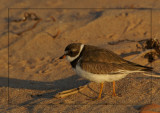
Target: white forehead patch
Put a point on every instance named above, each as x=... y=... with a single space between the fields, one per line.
x=70 y=59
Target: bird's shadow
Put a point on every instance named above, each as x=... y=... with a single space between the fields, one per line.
x=62 y=84
x=51 y=88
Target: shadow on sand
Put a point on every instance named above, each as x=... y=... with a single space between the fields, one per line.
x=57 y=85
x=52 y=87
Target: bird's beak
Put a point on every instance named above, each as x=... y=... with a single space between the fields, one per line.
x=62 y=57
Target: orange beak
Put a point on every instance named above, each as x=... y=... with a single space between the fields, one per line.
x=62 y=57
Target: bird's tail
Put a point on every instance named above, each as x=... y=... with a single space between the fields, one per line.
x=153 y=74
x=148 y=69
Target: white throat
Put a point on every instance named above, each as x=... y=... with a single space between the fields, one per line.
x=70 y=59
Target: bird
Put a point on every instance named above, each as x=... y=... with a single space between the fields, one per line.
x=99 y=65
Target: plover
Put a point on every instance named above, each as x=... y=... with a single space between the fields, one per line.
x=99 y=65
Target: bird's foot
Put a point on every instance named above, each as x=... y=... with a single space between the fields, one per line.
x=94 y=99
x=114 y=95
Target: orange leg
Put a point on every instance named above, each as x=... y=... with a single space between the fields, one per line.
x=100 y=92
x=114 y=91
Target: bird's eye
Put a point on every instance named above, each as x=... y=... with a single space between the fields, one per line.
x=71 y=52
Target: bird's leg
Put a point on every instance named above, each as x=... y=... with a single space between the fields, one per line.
x=114 y=91
x=100 y=92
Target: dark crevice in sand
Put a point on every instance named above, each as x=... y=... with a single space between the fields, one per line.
x=96 y=14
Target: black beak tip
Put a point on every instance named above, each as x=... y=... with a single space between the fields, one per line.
x=61 y=57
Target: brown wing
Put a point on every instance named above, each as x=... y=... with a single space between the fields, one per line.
x=102 y=61
x=110 y=68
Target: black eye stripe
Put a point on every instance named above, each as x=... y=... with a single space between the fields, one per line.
x=71 y=52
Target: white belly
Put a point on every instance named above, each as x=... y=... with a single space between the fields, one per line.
x=98 y=77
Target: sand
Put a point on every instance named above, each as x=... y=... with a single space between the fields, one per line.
x=36 y=74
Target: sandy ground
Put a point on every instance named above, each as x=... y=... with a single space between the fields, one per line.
x=36 y=74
